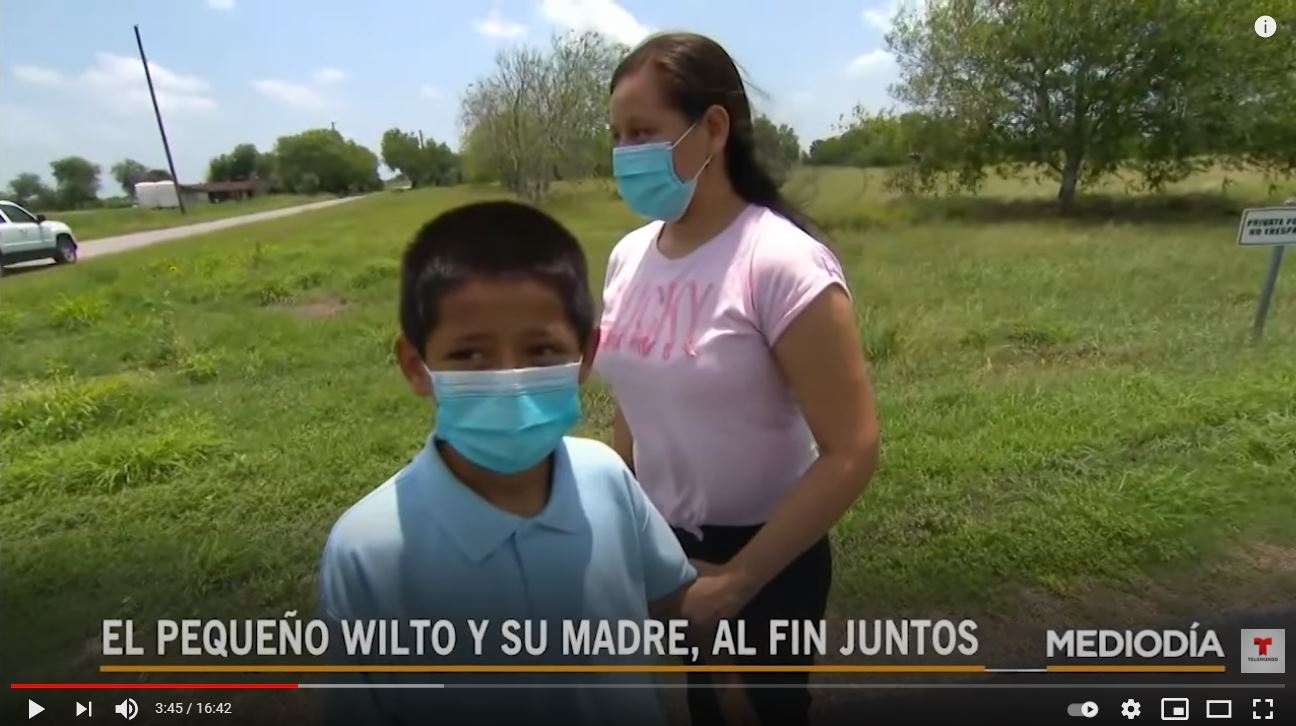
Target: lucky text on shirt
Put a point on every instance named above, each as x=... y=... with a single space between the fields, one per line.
x=514 y=637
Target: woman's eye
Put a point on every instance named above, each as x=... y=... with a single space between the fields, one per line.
x=468 y=355
x=545 y=350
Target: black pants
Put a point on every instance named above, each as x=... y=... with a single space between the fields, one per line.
x=798 y=592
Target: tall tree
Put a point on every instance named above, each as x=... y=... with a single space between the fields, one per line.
x=322 y=160
x=77 y=179
x=422 y=161
x=541 y=116
x=239 y=164
x=28 y=190
x=1077 y=88
x=777 y=146
x=128 y=173
x=402 y=151
x=157 y=175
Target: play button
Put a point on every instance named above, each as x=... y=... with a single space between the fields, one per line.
x=33 y=708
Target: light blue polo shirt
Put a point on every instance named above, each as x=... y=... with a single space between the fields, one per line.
x=424 y=545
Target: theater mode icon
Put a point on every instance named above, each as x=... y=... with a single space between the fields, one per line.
x=1264 y=651
x=1219 y=708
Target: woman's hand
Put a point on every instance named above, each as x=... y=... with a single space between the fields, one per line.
x=719 y=593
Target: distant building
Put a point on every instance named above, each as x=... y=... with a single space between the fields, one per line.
x=225 y=191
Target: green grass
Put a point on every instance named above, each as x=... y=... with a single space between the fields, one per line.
x=91 y=224
x=1064 y=402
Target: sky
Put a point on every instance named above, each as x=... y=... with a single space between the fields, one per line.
x=233 y=71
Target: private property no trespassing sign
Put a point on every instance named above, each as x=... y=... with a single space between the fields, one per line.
x=1268 y=226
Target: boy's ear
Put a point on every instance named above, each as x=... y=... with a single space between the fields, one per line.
x=411 y=365
x=591 y=350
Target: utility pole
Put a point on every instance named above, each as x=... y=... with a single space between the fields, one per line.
x=161 y=128
x=420 y=138
x=333 y=125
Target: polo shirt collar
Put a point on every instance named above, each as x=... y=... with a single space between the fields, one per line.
x=478 y=527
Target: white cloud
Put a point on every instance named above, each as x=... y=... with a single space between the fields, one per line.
x=291 y=94
x=329 y=75
x=38 y=76
x=25 y=128
x=881 y=16
x=116 y=78
x=496 y=26
x=802 y=98
x=117 y=83
x=221 y=4
x=870 y=62
x=604 y=16
x=430 y=92
x=880 y=19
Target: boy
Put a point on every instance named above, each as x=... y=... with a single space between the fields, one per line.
x=500 y=516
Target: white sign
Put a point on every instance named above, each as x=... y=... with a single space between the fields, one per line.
x=1268 y=226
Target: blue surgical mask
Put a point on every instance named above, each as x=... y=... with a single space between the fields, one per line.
x=645 y=176
x=508 y=420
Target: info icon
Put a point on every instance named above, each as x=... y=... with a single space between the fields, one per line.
x=1263 y=651
x=1265 y=26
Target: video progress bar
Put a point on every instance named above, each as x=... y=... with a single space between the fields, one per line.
x=496 y=686
x=555 y=669
x=813 y=686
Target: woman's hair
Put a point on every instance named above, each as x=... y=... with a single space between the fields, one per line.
x=695 y=74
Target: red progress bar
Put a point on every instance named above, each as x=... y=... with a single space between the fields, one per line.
x=152 y=685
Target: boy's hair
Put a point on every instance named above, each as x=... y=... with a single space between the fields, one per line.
x=491 y=239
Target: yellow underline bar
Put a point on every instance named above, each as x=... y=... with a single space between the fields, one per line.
x=540 y=669
x=1135 y=668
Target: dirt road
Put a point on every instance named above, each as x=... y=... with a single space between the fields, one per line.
x=134 y=240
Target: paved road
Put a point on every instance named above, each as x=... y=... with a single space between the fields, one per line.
x=121 y=243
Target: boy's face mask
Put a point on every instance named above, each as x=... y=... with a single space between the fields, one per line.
x=508 y=420
x=646 y=180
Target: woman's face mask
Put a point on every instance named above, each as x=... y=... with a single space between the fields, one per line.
x=645 y=176
x=506 y=420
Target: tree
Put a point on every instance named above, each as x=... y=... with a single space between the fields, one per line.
x=128 y=173
x=157 y=175
x=422 y=162
x=238 y=165
x=267 y=169
x=1262 y=132
x=28 y=190
x=77 y=179
x=540 y=117
x=1077 y=88
x=777 y=147
x=477 y=160
x=321 y=160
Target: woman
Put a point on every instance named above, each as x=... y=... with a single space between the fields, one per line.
x=728 y=339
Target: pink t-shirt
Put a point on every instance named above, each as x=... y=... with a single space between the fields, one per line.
x=719 y=438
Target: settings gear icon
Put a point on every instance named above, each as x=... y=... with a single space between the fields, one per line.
x=1130 y=709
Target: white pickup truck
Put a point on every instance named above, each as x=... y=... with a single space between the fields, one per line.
x=25 y=236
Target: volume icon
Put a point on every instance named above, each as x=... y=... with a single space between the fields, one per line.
x=127 y=709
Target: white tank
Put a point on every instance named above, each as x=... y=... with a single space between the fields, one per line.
x=167 y=195
x=144 y=195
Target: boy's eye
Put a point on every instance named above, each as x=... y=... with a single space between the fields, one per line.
x=467 y=355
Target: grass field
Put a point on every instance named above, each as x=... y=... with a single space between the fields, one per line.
x=1068 y=405
x=91 y=224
